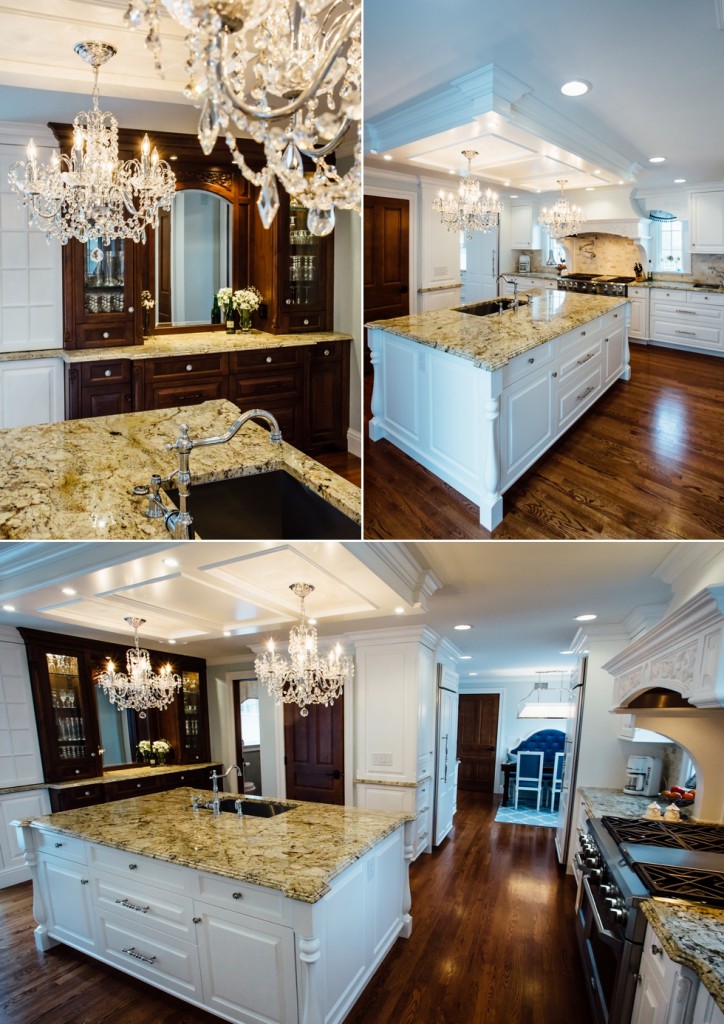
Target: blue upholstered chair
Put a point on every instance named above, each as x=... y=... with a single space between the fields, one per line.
x=557 y=782
x=529 y=775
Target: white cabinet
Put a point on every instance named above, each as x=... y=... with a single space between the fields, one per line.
x=688 y=319
x=639 y=304
x=67 y=896
x=707 y=222
x=706 y=1010
x=31 y=391
x=614 y=349
x=666 y=990
x=13 y=807
x=524 y=227
x=527 y=421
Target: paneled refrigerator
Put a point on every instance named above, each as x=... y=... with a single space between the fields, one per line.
x=570 y=763
x=446 y=757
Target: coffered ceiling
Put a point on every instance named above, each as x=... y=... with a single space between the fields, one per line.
x=519 y=599
x=655 y=67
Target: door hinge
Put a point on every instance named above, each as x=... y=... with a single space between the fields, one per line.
x=285 y=759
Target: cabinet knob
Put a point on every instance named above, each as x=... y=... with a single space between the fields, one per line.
x=268 y=359
x=554 y=374
x=131 y=309
x=189 y=366
x=583 y=334
x=326 y=351
x=106 y=334
x=306 y=322
x=93 y=753
x=106 y=373
x=237 y=895
x=77 y=771
x=133 y=867
x=197 y=920
x=532 y=359
x=58 y=846
x=84 y=881
x=656 y=950
x=88 y=792
x=606 y=341
x=289 y=302
x=138 y=785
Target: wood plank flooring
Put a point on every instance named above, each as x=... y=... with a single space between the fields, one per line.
x=647 y=461
x=492 y=941
x=344 y=464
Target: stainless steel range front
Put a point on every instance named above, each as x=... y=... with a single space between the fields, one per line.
x=624 y=861
x=595 y=284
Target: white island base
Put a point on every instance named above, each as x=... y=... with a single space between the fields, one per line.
x=245 y=953
x=479 y=429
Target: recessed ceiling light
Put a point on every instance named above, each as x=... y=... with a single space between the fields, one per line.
x=588 y=617
x=656 y=159
x=472 y=673
x=171 y=563
x=399 y=611
x=576 y=87
x=506 y=184
x=566 y=652
x=8 y=607
x=466 y=657
x=590 y=188
x=462 y=625
x=69 y=591
x=172 y=641
x=373 y=152
x=679 y=181
x=387 y=157
x=227 y=633
x=512 y=197
x=620 y=183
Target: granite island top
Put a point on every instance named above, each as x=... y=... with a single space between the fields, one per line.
x=490 y=342
x=298 y=852
x=74 y=479
x=691 y=934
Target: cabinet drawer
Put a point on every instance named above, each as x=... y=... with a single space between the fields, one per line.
x=263 y=357
x=573 y=361
x=689 y=313
x=305 y=321
x=578 y=340
x=423 y=825
x=422 y=803
x=527 y=362
x=140 y=869
x=128 y=899
x=61 y=845
x=169 y=963
x=77 y=796
x=184 y=366
x=252 y=900
x=711 y=298
x=100 y=337
x=117 y=371
x=132 y=787
x=580 y=393
x=684 y=332
x=279 y=383
x=195 y=778
x=191 y=393
x=637 y=293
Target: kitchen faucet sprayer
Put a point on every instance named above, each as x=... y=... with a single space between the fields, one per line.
x=179 y=522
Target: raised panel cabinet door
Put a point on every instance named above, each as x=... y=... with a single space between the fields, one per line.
x=707 y=222
x=109 y=401
x=650 y=1004
x=31 y=392
x=613 y=351
x=69 y=903
x=527 y=423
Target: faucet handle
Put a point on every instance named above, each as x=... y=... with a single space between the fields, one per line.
x=183 y=443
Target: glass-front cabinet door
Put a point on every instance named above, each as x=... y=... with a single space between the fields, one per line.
x=193 y=732
x=103 y=286
x=304 y=274
x=72 y=746
x=104 y=280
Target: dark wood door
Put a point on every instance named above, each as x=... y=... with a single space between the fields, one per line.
x=386 y=259
x=477 y=734
x=314 y=753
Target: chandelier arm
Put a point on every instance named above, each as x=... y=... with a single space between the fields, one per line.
x=318 y=154
x=333 y=44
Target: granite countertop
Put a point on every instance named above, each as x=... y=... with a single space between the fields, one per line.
x=691 y=934
x=186 y=344
x=678 y=286
x=298 y=852
x=142 y=771
x=490 y=342
x=73 y=480
x=5 y=790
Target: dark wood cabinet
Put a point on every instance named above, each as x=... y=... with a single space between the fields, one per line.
x=68 y=798
x=328 y=399
x=63 y=673
x=183 y=380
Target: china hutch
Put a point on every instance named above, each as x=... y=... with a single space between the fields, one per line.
x=83 y=736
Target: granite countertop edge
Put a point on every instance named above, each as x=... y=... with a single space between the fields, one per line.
x=676 y=925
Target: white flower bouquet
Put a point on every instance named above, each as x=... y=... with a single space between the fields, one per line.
x=161 y=750
x=246 y=300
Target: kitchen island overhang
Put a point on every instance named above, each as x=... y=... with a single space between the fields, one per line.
x=282 y=919
x=477 y=400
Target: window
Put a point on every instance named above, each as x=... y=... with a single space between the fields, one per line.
x=250 y=735
x=669 y=240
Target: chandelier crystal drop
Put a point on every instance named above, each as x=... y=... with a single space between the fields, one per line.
x=141 y=688
x=562 y=218
x=287 y=73
x=308 y=677
x=91 y=193
x=469 y=210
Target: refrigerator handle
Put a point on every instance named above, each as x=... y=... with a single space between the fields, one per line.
x=445 y=738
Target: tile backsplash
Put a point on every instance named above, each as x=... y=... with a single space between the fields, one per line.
x=707 y=268
x=610 y=255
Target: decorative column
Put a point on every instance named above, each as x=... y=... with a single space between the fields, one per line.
x=43 y=941
x=375 y=429
x=491 y=500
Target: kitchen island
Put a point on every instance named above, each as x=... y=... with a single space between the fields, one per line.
x=281 y=919
x=478 y=399
x=74 y=480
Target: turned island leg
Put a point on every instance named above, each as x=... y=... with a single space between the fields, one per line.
x=491 y=500
x=43 y=941
x=406 y=930
x=376 y=404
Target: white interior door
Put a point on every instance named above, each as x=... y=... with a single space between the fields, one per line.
x=481 y=266
x=447 y=739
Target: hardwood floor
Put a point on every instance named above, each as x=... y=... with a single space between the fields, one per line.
x=492 y=942
x=344 y=464
x=645 y=462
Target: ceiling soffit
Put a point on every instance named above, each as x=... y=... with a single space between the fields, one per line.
x=463 y=111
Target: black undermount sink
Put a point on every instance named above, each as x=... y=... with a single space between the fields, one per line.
x=488 y=306
x=266 y=506
x=255 y=808
x=703 y=284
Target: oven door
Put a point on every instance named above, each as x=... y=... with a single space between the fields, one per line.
x=610 y=962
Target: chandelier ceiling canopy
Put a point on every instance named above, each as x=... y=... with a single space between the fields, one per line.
x=546 y=701
x=91 y=193
x=140 y=688
x=469 y=210
x=562 y=218
x=287 y=73
x=307 y=677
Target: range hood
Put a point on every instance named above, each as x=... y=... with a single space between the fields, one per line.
x=638 y=229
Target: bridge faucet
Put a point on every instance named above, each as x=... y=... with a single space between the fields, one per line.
x=179 y=522
x=215 y=784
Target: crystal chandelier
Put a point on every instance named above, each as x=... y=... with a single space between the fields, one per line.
x=468 y=211
x=548 y=702
x=307 y=678
x=287 y=73
x=141 y=688
x=562 y=219
x=91 y=193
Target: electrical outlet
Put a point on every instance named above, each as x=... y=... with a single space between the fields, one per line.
x=382 y=759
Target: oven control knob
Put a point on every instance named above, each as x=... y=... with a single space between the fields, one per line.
x=592 y=861
x=596 y=874
x=606 y=889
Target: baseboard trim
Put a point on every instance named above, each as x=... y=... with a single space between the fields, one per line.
x=354 y=443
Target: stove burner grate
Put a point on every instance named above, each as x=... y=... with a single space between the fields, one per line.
x=704 y=838
x=682 y=883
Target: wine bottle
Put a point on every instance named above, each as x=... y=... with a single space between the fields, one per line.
x=215 y=311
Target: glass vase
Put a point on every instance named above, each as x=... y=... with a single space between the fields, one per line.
x=245 y=320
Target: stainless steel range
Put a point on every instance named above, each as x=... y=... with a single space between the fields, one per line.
x=595 y=284
x=624 y=861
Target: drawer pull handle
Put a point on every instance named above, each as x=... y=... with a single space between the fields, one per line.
x=532 y=359
x=691 y=312
x=583 y=334
x=58 y=846
x=424 y=836
x=237 y=895
x=689 y=334
x=656 y=950
x=423 y=809
x=133 y=867
x=197 y=920
x=106 y=334
x=586 y=358
x=586 y=393
x=132 y=906
x=107 y=373
x=268 y=359
x=84 y=881
x=131 y=951
x=615 y=316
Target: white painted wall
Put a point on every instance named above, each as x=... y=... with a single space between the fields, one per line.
x=348 y=310
x=602 y=756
